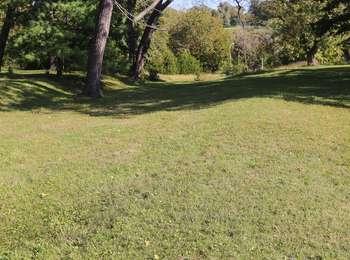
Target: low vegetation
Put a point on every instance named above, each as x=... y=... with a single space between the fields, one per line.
x=244 y=167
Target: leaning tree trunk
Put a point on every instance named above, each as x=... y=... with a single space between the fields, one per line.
x=142 y=50
x=97 y=49
x=145 y=41
x=5 y=31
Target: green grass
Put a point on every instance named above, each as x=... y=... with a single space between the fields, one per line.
x=248 y=167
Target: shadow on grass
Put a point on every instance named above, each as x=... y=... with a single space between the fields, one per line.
x=322 y=86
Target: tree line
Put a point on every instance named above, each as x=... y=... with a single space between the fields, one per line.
x=129 y=36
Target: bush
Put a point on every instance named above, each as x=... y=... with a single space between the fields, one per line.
x=153 y=75
x=162 y=61
x=203 y=35
x=235 y=69
x=169 y=63
x=331 y=51
x=187 y=64
x=250 y=46
x=116 y=61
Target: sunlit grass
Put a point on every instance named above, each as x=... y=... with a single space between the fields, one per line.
x=191 y=77
x=247 y=167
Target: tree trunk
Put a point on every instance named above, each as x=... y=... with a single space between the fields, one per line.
x=347 y=55
x=311 y=60
x=132 y=33
x=310 y=55
x=145 y=43
x=142 y=50
x=97 y=49
x=5 y=31
x=59 y=66
x=146 y=38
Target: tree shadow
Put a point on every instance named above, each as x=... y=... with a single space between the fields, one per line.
x=323 y=86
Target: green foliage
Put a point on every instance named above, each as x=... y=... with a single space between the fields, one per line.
x=203 y=35
x=293 y=24
x=260 y=11
x=187 y=64
x=164 y=62
x=277 y=32
x=235 y=68
x=196 y=41
x=331 y=51
x=63 y=29
x=160 y=57
x=116 y=60
x=153 y=75
x=336 y=18
x=53 y=33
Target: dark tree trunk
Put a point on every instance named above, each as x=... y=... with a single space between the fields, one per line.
x=5 y=31
x=59 y=66
x=132 y=33
x=310 y=55
x=97 y=49
x=146 y=38
x=347 y=55
x=142 y=50
x=311 y=60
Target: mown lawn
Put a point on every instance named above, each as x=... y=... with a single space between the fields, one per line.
x=248 y=167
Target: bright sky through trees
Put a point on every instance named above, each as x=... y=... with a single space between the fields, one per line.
x=182 y=4
x=185 y=4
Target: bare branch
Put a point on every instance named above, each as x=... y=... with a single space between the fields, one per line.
x=239 y=11
x=147 y=10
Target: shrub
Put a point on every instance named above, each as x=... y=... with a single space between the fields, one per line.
x=169 y=63
x=116 y=60
x=161 y=60
x=235 y=69
x=203 y=35
x=331 y=51
x=153 y=75
x=250 y=46
x=187 y=64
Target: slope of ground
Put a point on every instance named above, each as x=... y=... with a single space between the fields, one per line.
x=246 y=167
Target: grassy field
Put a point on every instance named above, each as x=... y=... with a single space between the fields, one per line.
x=248 y=167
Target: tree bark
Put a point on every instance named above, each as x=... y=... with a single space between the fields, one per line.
x=310 y=55
x=148 y=9
x=132 y=33
x=59 y=66
x=142 y=50
x=146 y=38
x=97 y=49
x=5 y=31
x=347 y=55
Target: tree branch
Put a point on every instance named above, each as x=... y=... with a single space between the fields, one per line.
x=146 y=11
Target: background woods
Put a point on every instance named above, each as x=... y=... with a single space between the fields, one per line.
x=121 y=37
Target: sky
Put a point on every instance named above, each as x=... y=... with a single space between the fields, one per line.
x=180 y=4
